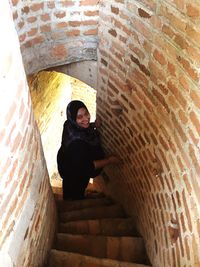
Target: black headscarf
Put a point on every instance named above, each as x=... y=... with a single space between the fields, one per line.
x=72 y=131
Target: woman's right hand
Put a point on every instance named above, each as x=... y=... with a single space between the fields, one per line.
x=114 y=160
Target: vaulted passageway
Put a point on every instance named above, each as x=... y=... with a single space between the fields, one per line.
x=147 y=97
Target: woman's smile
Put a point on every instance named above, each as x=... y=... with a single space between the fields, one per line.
x=83 y=118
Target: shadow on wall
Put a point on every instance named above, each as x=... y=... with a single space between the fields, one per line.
x=51 y=92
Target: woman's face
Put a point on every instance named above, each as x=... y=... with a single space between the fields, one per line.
x=83 y=118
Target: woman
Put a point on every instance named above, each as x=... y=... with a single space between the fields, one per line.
x=80 y=156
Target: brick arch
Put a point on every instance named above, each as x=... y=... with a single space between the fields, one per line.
x=56 y=32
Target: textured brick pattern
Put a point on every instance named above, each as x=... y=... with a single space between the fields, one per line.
x=149 y=102
x=66 y=29
x=26 y=200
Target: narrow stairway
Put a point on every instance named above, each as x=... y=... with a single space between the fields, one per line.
x=96 y=233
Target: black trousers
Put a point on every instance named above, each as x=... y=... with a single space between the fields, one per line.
x=74 y=187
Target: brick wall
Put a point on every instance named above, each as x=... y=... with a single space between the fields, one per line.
x=27 y=210
x=56 y=32
x=149 y=101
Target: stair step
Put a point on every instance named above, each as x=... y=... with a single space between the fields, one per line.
x=65 y=205
x=119 y=248
x=112 y=211
x=110 y=227
x=68 y=259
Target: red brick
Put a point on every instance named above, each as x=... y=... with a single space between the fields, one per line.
x=142 y=13
x=20 y=24
x=36 y=7
x=91 y=13
x=196 y=164
x=171 y=68
x=176 y=92
x=15 y=15
x=191 y=71
x=168 y=31
x=193 y=11
x=59 y=51
x=45 y=28
x=15 y=2
x=67 y=3
x=90 y=22
x=25 y=10
x=31 y=19
x=159 y=57
x=184 y=83
x=195 y=98
x=183 y=117
x=179 y=40
x=22 y=38
x=37 y=40
x=115 y=10
x=195 y=120
x=73 y=33
x=32 y=32
x=91 y=32
x=75 y=23
x=45 y=17
x=60 y=14
x=89 y=2
x=61 y=25
x=113 y=32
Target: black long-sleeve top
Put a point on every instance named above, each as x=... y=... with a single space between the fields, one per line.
x=76 y=160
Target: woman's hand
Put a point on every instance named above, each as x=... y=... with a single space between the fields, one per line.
x=106 y=161
x=114 y=160
x=98 y=123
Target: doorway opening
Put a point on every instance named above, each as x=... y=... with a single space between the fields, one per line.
x=51 y=92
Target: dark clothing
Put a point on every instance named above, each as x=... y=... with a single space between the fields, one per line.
x=76 y=167
x=79 y=148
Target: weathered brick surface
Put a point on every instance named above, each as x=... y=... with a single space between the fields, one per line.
x=69 y=26
x=27 y=208
x=148 y=99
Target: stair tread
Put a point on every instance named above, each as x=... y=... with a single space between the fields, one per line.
x=114 y=210
x=70 y=205
x=108 y=226
x=97 y=236
x=80 y=260
x=127 y=248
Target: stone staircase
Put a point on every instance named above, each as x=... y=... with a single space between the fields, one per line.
x=96 y=233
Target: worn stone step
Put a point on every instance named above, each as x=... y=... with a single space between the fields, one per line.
x=68 y=259
x=65 y=205
x=129 y=249
x=112 y=211
x=111 y=227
